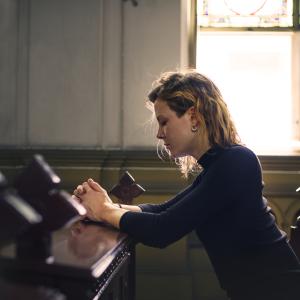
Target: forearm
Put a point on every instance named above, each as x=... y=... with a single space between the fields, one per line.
x=158 y=208
x=134 y=208
x=112 y=214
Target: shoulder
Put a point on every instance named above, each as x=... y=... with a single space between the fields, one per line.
x=240 y=156
x=235 y=168
x=239 y=152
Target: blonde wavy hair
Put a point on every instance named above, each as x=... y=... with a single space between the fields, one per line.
x=182 y=90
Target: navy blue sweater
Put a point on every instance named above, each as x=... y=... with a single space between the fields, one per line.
x=225 y=207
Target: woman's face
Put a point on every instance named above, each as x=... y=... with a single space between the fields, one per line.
x=176 y=131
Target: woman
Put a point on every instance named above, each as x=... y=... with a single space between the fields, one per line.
x=224 y=205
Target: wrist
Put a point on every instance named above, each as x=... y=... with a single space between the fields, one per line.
x=107 y=211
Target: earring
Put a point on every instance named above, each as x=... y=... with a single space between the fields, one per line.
x=194 y=128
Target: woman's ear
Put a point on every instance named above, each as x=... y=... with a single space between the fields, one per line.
x=192 y=113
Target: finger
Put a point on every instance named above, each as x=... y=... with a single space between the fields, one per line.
x=80 y=189
x=77 y=199
x=77 y=194
x=95 y=185
x=86 y=187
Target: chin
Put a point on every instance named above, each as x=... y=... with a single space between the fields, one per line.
x=177 y=155
x=172 y=155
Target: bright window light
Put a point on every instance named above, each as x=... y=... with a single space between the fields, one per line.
x=253 y=71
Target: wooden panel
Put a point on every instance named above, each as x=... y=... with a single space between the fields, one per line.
x=153 y=286
x=155 y=260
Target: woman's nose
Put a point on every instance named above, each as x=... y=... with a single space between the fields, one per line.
x=159 y=134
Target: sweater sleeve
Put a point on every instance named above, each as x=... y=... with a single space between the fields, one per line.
x=157 y=208
x=237 y=175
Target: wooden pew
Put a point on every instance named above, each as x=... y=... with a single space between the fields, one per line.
x=89 y=261
x=295 y=237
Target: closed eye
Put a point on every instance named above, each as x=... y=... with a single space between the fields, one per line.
x=162 y=123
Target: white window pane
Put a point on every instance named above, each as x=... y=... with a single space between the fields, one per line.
x=253 y=72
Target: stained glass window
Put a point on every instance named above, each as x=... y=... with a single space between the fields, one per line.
x=241 y=13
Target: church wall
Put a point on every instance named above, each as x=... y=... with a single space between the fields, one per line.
x=76 y=73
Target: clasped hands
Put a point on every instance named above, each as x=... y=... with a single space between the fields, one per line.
x=94 y=198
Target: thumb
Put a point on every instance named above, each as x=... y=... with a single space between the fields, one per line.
x=94 y=185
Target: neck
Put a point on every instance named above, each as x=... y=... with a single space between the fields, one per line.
x=202 y=146
x=201 y=151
